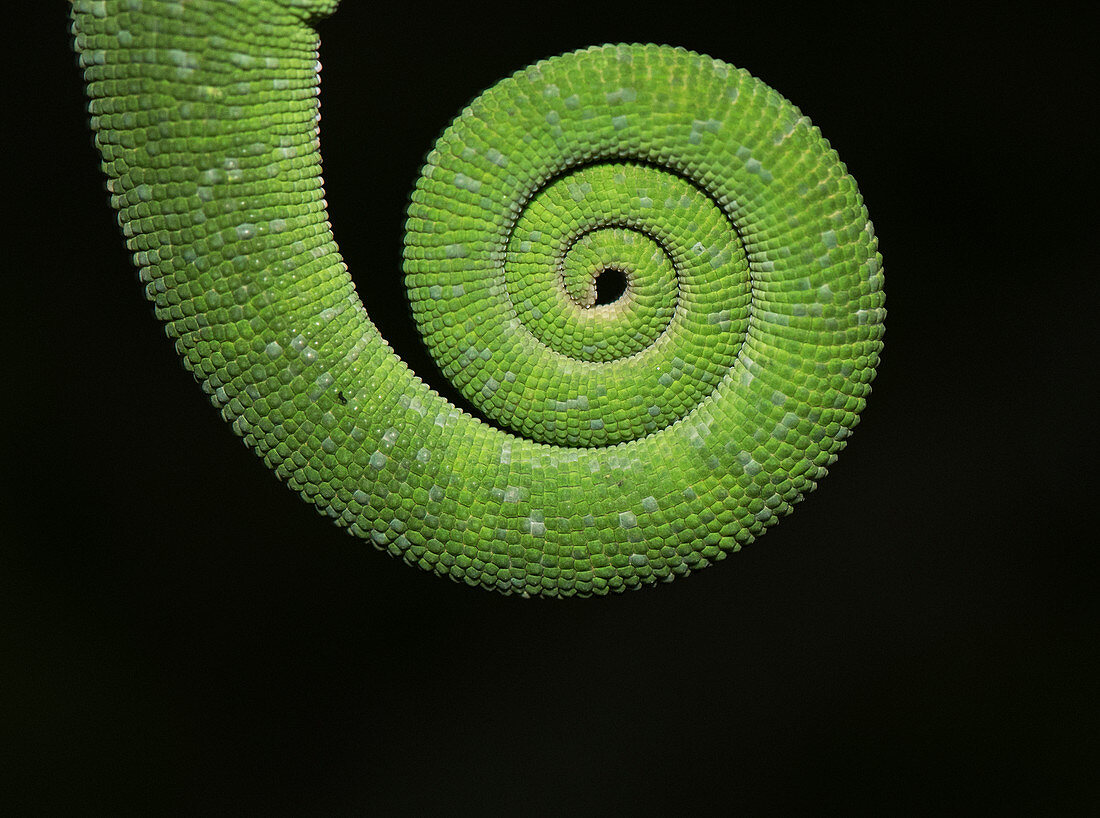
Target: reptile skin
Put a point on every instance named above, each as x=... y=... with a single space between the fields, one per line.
x=632 y=442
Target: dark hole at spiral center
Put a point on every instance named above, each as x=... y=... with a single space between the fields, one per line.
x=610 y=286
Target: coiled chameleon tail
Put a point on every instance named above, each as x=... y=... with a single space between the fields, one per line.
x=646 y=437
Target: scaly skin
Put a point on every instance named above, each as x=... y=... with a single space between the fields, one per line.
x=652 y=435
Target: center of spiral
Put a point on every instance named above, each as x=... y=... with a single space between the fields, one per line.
x=617 y=300
x=610 y=286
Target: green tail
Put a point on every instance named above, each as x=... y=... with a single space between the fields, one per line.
x=651 y=436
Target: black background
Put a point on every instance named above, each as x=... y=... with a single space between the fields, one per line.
x=186 y=636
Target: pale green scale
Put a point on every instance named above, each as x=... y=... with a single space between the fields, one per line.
x=684 y=419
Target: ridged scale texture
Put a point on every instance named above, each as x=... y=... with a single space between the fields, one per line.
x=679 y=422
